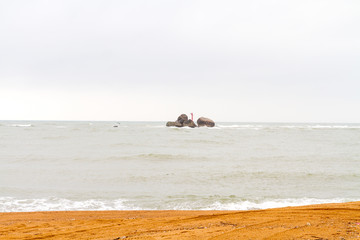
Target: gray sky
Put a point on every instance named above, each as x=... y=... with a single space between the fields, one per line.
x=283 y=61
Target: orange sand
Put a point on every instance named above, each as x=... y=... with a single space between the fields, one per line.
x=326 y=221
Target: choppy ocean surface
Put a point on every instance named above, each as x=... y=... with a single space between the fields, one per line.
x=145 y=165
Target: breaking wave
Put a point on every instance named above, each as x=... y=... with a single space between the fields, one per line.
x=21 y=125
x=10 y=204
x=287 y=126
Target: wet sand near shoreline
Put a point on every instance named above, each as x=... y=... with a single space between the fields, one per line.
x=324 y=221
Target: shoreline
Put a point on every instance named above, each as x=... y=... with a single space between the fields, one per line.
x=321 y=221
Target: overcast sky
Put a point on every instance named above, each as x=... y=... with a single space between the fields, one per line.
x=261 y=60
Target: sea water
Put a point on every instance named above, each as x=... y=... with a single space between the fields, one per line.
x=47 y=166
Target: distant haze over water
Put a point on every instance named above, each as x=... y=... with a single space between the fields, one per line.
x=58 y=165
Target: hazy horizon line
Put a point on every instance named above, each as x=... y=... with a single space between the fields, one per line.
x=86 y=120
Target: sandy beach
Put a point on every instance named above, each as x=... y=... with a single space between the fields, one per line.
x=324 y=221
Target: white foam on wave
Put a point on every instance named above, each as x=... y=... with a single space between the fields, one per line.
x=253 y=205
x=333 y=127
x=321 y=126
x=299 y=126
x=248 y=204
x=241 y=126
x=21 y=125
x=9 y=204
x=178 y=128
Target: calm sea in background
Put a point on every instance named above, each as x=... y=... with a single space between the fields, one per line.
x=145 y=165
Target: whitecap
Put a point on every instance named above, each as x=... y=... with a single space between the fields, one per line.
x=21 y=125
x=333 y=127
x=9 y=204
x=275 y=203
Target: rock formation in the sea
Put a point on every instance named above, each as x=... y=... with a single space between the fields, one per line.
x=182 y=118
x=179 y=122
x=170 y=124
x=205 y=122
x=184 y=121
x=189 y=123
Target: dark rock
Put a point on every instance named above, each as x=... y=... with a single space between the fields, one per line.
x=184 y=121
x=202 y=121
x=178 y=124
x=174 y=124
x=182 y=118
x=189 y=123
x=170 y=124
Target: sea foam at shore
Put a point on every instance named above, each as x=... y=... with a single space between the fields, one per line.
x=9 y=204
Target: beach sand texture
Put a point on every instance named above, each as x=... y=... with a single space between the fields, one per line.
x=324 y=221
